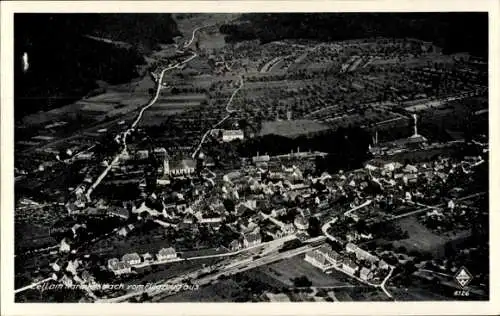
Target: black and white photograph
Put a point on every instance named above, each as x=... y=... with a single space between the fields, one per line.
x=251 y=157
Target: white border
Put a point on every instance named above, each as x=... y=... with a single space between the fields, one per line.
x=408 y=308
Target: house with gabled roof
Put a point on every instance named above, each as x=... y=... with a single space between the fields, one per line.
x=317 y=259
x=132 y=258
x=167 y=254
x=251 y=239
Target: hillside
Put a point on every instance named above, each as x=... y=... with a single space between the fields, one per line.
x=454 y=32
x=65 y=63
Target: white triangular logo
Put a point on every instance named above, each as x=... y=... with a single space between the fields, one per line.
x=463 y=277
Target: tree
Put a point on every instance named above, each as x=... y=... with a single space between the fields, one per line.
x=229 y=205
x=302 y=281
x=314 y=228
x=401 y=249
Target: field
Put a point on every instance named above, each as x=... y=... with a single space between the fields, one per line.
x=34 y=236
x=223 y=291
x=291 y=268
x=421 y=238
x=117 y=246
x=416 y=294
x=292 y=128
x=361 y=293
x=169 y=105
x=96 y=108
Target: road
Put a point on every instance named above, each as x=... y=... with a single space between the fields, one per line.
x=244 y=266
x=32 y=285
x=231 y=267
x=270 y=64
x=194 y=33
x=274 y=244
x=325 y=228
x=134 y=125
x=366 y=203
x=382 y=285
x=327 y=225
x=230 y=111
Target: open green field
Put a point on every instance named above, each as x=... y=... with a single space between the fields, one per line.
x=291 y=128
x=421 y=238
x=291 y=268
x=117 y=246
x=362 y=293
x=223 y=291
x=416 y=294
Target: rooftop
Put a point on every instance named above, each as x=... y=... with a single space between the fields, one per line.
x=182 y=164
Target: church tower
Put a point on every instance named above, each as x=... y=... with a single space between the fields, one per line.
x=166 y=166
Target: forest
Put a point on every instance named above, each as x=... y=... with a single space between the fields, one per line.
x=65 y=64
x=453 y=32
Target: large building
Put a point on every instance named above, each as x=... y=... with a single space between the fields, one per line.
x=365 y=274
x=230 y=135
x=167 y=254
x=349 y=266
x=317 y=259
x=301 y=222
x=257 y=160
x=179 y=167
x=323 y=257
x=330 y=254
x=118 y=267
x=251 y=239
x=131 y=258
x=360 y=253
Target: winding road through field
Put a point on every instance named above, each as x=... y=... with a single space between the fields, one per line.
x=230 y=111
x=134 y=125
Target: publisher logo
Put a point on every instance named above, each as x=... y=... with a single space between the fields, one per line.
x=463 y=277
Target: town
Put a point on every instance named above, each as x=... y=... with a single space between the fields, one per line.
x=294 y=170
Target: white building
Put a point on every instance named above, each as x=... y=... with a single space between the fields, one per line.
x=72 y=266
x=167 y=254
x=330 y=254
x=230 y=135
x=118 y=267
x=235 y=245
x=360 y=253
x=301 y=222
x=365 y=274
x=147 y=257
x=349 y=266
x=122 y=268
x=112 y=263
x=317 y=259
x=260 y=159
x=211 y=220
x=251 y=239
x=64 y=247
x=179 y=167
x=132 y=258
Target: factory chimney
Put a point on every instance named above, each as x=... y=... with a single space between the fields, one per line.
x=415 y=130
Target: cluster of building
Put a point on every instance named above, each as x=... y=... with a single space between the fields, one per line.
x=169 y=166
x=129 y=260
x=363 y=265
